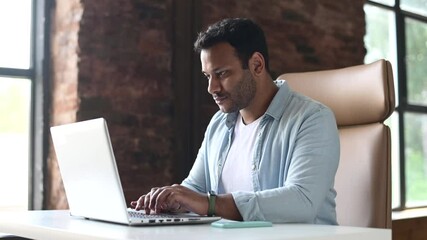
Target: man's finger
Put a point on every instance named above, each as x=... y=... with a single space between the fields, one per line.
x=146 y=202
x=139 y=203
x=161 y=200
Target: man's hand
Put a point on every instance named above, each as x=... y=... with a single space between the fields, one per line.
x=172 y=199
x=179 y=198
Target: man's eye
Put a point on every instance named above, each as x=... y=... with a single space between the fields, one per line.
x=222 y=74
x=207 y=77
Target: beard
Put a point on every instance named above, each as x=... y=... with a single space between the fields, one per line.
x=241 y=95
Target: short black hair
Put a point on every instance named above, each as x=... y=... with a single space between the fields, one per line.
x=243 y=34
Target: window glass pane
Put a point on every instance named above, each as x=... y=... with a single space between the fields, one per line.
x=15 y=96
x=415 y=6
x=385 y=2
x=15 y=29
x=416 y=60
x=393 y=123
x=416 y=159
x=380 y=38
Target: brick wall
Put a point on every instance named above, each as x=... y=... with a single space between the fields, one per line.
x=125 y=77
x=114 y=59
x=65 y=100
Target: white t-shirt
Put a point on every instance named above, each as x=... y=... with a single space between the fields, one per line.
x=237 y=172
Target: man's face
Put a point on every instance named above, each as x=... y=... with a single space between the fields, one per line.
x=231 y=86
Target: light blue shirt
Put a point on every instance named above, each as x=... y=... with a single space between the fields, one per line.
x=295 y=161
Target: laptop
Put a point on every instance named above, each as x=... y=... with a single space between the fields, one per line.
x=91 y=179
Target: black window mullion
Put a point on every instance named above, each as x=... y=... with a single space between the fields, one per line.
x=415 y=16
x=416 y=108
x=14 y=72
x=402 y=95
x=380 y=5
x=40 y=102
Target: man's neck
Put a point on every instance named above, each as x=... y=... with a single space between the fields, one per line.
x=259 y=104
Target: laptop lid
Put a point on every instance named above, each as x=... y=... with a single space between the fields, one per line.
x=89 y=172
x=91 y=178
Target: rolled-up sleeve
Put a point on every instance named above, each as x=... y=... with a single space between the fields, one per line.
x=197 y=179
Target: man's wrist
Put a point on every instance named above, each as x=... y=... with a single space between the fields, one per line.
x=211 y=203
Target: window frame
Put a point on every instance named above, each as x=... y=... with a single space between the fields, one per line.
x=40 y=121
x=403 y=106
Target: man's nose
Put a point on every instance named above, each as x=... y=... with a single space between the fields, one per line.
x=214 y=86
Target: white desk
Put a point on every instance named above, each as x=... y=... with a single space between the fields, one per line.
x=59 y=225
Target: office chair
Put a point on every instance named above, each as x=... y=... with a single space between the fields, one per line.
x=361 y=97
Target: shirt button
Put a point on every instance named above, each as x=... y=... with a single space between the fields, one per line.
x=253 y=166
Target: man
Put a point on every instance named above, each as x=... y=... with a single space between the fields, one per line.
x=268 y=154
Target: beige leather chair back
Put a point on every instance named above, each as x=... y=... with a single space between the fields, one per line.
x=361 y=97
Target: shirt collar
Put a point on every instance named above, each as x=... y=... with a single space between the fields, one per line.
x=278 y=104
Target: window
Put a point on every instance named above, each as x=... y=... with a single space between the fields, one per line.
x=397 y=30
x=23 y=115
x=15 y=99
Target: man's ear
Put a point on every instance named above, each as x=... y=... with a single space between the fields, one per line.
x=256 y=63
